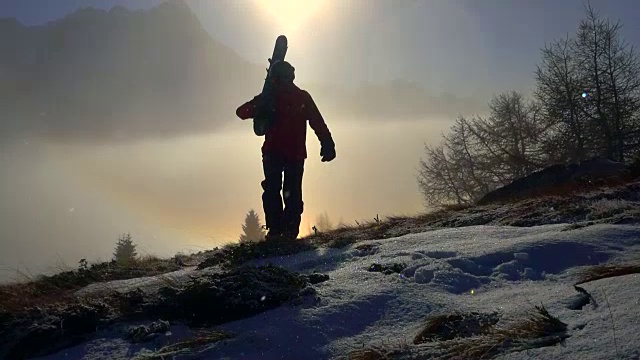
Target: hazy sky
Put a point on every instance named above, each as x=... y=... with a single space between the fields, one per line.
x=63 y=202
x=460 y=46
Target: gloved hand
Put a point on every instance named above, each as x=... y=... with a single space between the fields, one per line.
x=327 y=150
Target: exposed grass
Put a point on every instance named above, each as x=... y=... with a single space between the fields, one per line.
x=17 y=297
x=604 y=208
x=382 y=350
x=217 y=298
x=340 y=237
x=457 y=325
x=455 y=207
x=208 y=300
x=202 y=338
x=59 y=288
x=370 y=353
x=341 y=242
x=391 y=226
x=44 y=330
x=606 y=271
x=580 y=225
x=472 y=336
x=539 y=329
x=233 y=255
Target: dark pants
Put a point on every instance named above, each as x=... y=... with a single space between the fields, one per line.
x=279 y=219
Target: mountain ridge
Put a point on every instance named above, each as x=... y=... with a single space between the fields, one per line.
x=103 y=74
x=119 y=74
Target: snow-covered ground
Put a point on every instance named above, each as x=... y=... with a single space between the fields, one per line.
x=481 y=268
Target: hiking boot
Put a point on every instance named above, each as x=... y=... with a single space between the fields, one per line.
x=290 y=235
x=273 y=236
x=280 y=238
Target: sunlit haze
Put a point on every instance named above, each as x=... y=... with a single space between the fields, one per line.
x=122 y=118
x=291 y=16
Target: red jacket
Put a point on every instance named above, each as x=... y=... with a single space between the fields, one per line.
x=288 y=135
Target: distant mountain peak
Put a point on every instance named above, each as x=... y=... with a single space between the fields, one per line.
x=177 y=4
x=119 y=73
x=87 y=11
x=172 y=8
x=175 y=8
x=119 y=10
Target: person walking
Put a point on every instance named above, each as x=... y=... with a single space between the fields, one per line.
x=284 y=151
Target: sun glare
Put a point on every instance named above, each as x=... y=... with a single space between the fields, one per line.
x=290 y=15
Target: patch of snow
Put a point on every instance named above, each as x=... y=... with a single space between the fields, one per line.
x=479 y=268
x=147 y=284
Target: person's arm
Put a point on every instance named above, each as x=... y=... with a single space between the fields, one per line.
x=248 y=109
x=317 y=123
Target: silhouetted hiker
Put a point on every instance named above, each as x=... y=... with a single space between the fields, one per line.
x=284 y=151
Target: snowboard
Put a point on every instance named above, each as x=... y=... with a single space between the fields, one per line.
x=265 y=114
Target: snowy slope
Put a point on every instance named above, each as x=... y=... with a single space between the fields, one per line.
x=482 y=268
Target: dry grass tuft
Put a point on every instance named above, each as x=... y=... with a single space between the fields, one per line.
x=606 y=271
x=539 y=329
x=15 y=298
x=369 y=353
x=60 y=288
x=233 y=255
x=539 y=324
x=439 y=215
x=455 y=207
x=202 y=338
x=340 y=242
x=457 y=325
x=383 y=350
x=606 y=208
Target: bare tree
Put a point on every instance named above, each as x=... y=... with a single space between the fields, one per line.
x=481 y=154
x=586 y=104
x=512 y=137
x=622 y=82
x=437 y=178
x=452 y=171
x=608 y=69
x=559 y=94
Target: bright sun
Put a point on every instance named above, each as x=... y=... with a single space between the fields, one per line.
x=289 y=15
